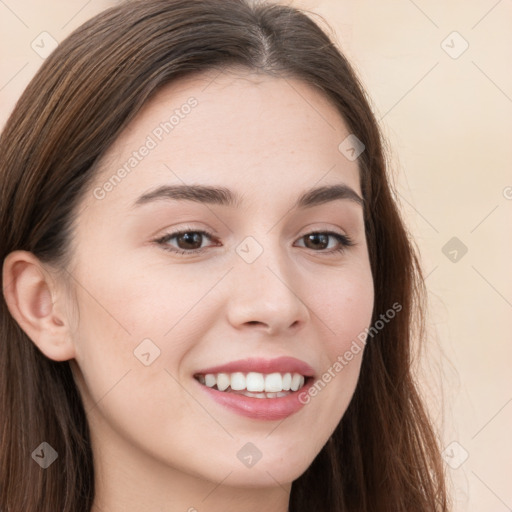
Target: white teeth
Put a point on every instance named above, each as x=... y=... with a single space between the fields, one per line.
x=223 y=381
x=297 y=382
x=273 y=383
x=237 y=381
x=255 y=382
x=210 y=380
x=258 y=385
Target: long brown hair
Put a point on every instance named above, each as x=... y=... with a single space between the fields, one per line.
x=384 y=454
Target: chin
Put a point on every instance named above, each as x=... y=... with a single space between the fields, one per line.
x=274 y=467
x=273 y=474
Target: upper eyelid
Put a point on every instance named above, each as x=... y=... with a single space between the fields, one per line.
x=172 y=234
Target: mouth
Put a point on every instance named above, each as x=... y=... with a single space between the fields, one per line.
x=254 y=384
x=258 y=388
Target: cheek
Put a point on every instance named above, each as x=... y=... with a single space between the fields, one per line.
x=134 y=330
x=129 y=301
x=343 y=310
x=344 y=305
x=127 y=370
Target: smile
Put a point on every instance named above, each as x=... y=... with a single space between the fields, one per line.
x=254 y=384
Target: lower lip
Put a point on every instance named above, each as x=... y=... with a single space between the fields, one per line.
x=260 y=408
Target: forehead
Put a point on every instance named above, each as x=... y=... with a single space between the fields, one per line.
x=254 y=133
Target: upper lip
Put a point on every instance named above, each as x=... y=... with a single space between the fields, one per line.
x=260 y=365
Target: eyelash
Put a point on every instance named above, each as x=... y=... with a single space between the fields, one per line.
x=344 y=240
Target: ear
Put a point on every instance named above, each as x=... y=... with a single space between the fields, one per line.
x=34 y=301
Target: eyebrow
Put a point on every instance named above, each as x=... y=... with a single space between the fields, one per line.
x=226 y=197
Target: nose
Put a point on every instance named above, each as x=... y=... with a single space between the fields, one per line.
x=267 y=295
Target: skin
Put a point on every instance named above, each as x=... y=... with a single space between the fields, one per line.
x=159 y=442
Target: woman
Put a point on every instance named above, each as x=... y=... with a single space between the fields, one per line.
x=209 y=294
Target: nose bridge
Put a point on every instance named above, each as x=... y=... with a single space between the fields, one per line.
x=265 y=286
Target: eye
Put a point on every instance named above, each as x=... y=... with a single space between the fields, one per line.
x=320 y=240
x=189 y=241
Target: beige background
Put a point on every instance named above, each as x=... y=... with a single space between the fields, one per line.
x=448 y=118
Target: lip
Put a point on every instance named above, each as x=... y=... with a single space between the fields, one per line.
x=260 y=365
x=269 y=409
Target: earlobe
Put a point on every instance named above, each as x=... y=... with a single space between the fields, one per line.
x=32 y=298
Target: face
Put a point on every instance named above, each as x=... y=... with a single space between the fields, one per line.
x=176 y=286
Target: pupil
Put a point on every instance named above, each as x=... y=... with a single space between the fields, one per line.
x=191 y=239
x=315 y=238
